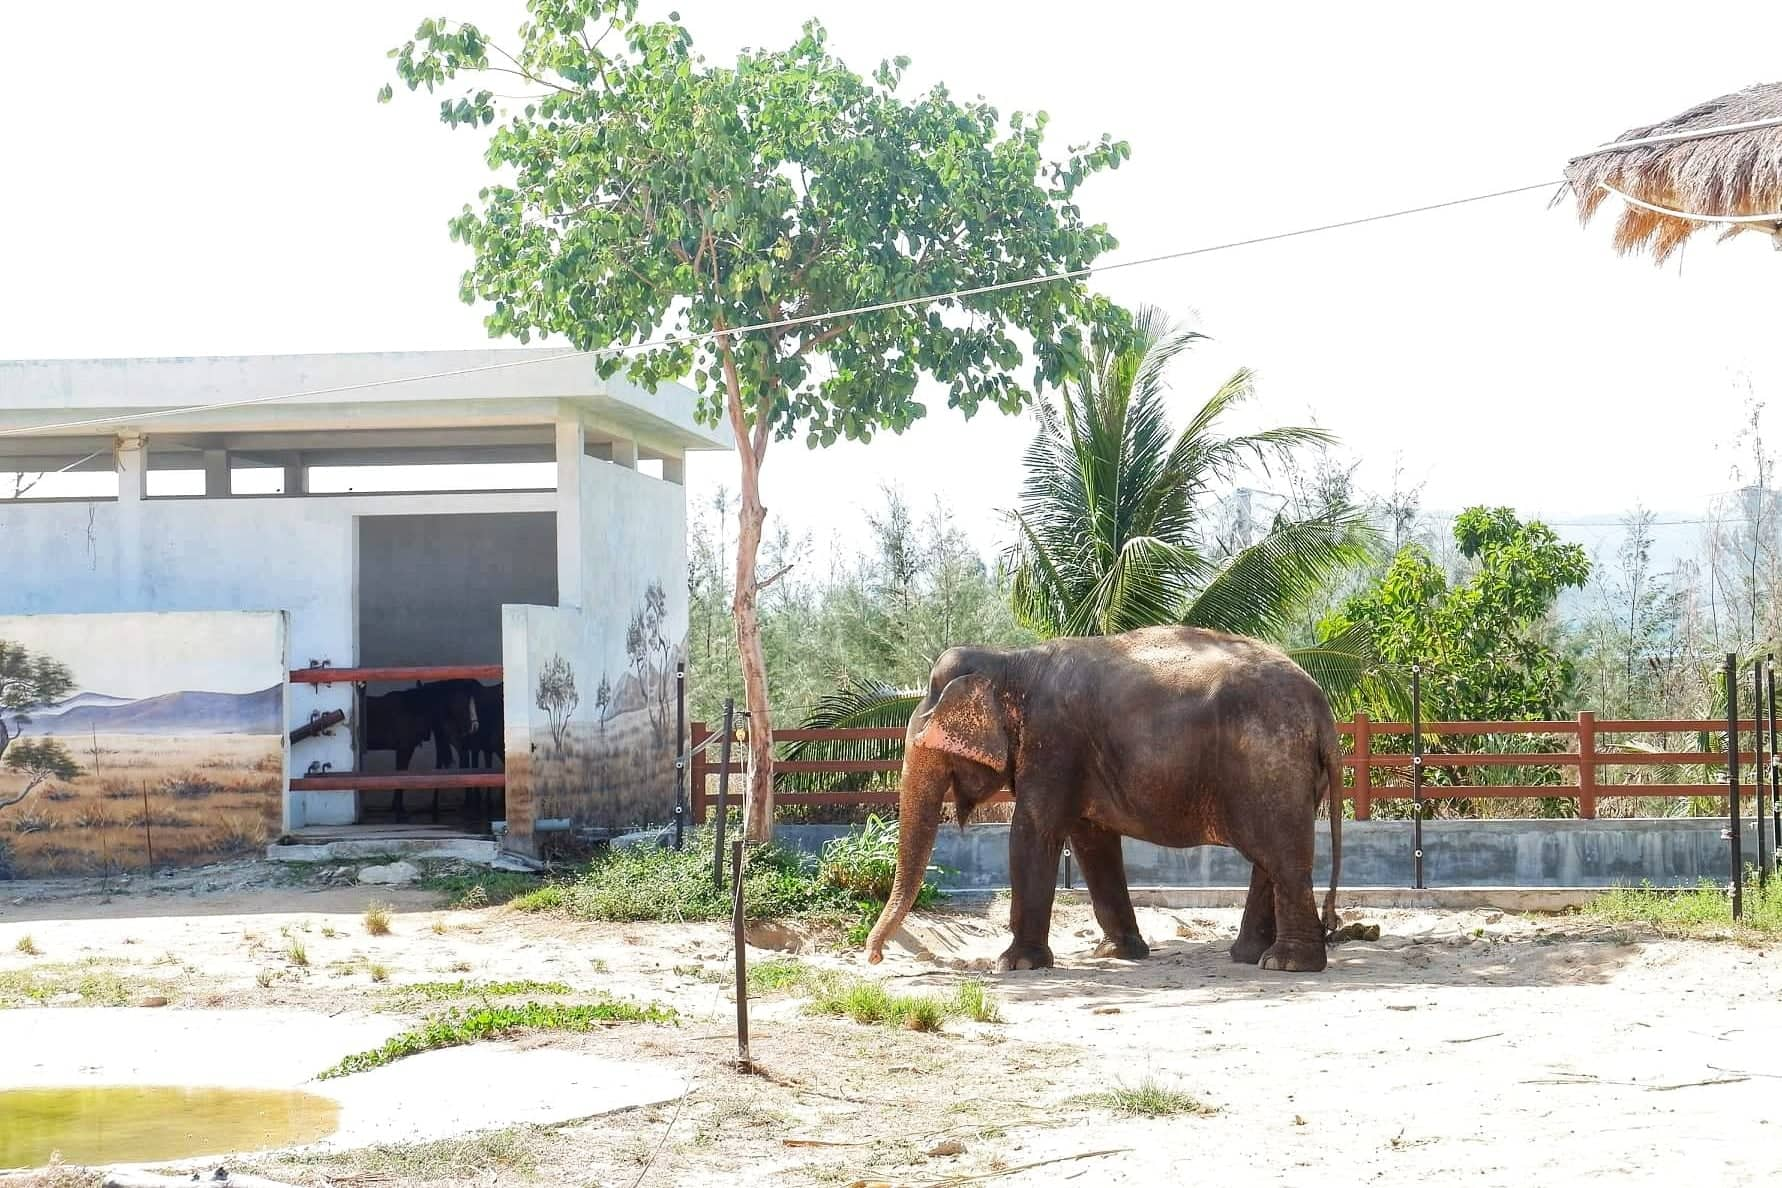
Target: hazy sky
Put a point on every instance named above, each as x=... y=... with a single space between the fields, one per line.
x=228 y=653
x=215 y=178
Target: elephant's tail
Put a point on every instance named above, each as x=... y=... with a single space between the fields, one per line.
x=1333 y=770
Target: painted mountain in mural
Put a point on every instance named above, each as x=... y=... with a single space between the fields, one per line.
x=185 y=713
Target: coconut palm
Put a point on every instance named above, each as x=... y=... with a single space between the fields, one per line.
x=1112 y=533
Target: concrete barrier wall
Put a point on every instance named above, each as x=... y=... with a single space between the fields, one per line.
x=1665 y=852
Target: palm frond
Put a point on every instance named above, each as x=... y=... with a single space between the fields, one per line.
x=1261 y=589
x=857 y=704
x=1349 y=670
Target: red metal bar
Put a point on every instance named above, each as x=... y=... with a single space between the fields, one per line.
x=426 y=781
x=1666 y=725
x=1661 y=758
x=1483 y=759
x=1479 y=727
x=432 y=672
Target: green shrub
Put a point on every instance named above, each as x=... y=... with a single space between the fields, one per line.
x=870 y=1002
x=656 y=883
x=1704 y=911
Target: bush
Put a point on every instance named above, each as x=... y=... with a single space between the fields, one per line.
x=653 y=883
x=870 y=1003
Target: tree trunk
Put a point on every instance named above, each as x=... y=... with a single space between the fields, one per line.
x=751 y=517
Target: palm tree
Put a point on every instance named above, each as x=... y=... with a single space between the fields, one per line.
x=1111 y=535
x=1111 y=531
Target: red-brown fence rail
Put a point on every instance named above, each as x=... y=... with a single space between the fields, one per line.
x=1594 y=744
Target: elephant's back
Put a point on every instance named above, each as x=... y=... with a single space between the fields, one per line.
x=1193 y=662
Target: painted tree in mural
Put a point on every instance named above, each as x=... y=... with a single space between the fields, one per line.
x=27 y=683
x=651 y=654
x=557 y=697
x=759 y=206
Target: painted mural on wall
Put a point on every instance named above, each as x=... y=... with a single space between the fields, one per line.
x=610 y=766
x=130 y=734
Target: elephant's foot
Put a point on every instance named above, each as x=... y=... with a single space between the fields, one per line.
x=1248 y=950
x=1024 y=957
x=1128 y=947
x=1295 y=956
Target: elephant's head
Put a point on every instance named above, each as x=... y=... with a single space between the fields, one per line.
x=959 y=741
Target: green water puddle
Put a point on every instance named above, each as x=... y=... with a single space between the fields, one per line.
x=137 y=1124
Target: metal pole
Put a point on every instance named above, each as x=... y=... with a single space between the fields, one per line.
x=1732 y=785
x=680 y=752
x=1775 y=777
x=743 y=1063
x=1417 y=776
x=723 y=791
x=1757 y=767
x=148 y=828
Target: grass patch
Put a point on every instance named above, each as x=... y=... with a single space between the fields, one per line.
x=778 y=974
x=377 y=919
x=379 y=973
x=514 y=1151
x=265 y=978
x=297 y=955
x=27 y=946
x=1703 y=912
x=549 y=898
x=475 y=888
x=870 y=1003
x=91 y=981
x=1150 y=1098
x=458 y=1027
x=446 y=991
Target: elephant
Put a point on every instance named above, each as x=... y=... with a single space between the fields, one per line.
x=1174 y=735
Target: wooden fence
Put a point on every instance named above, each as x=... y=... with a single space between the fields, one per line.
x=1595 y=744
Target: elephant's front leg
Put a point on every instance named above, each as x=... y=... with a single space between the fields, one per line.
x=1097 y=851
x=1033 y=878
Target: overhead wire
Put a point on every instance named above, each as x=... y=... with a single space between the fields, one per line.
x=674 y=340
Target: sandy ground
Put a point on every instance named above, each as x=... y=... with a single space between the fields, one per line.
x=1475 y=1047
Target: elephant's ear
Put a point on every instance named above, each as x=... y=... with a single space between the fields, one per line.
x=967 y=722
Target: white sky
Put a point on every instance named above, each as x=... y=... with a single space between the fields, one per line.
x=214 y=177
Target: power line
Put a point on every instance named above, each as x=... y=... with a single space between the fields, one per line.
x=674 y=340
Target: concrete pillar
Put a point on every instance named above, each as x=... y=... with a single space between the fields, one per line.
x=216 y=474
x=131 y=455
x=296 y=476
x=624 y=453
x=571 y=444
x=674 y=470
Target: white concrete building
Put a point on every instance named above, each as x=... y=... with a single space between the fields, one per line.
x=240 y=486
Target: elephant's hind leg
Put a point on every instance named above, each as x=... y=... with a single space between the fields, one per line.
x=1299 y=933
x=1104 y=872
x=1257 y=932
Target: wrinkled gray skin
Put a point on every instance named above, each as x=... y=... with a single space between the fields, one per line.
x=1173 y=735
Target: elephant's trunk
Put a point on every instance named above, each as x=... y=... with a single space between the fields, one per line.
x=926 y=778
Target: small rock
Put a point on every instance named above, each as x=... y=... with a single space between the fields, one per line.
x=396 y=874
x=947 y=1147
x=152 y=1000
x=1105 y=1010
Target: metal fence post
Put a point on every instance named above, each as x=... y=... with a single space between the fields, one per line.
x=743 y=1063
x=1732 y=785
x=1757 y=765
x=723 y=791
x=1775 y=775
x=680 y=753
x=1417 y=776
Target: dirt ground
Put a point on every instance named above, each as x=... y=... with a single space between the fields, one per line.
x=1474 y=1047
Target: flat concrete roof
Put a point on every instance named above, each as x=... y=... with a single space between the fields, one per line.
x=371 y=390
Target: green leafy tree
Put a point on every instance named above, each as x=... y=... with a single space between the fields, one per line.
x=1112 y=530
x=1485 y=643
x=38 y=760
x=644 y=190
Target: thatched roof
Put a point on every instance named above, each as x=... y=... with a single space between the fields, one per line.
x=1711 y=160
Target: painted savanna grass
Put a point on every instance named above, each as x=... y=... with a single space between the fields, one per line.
x=210 y=797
